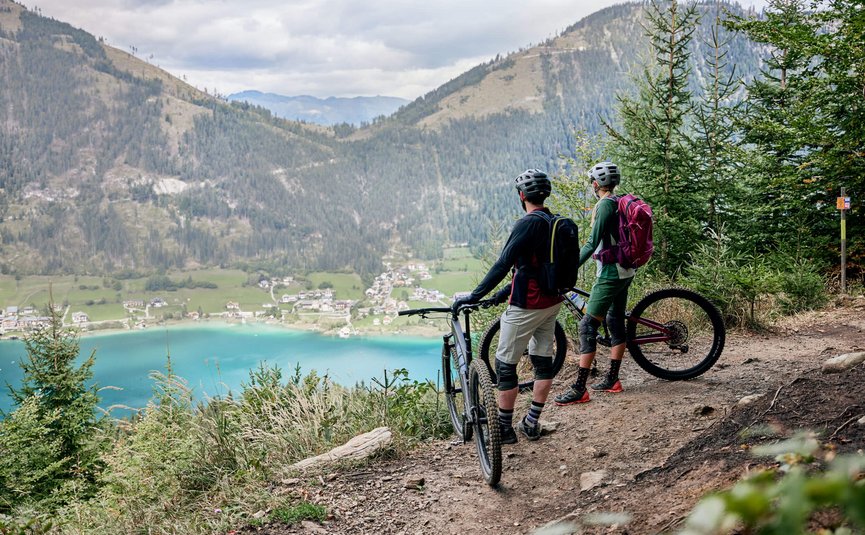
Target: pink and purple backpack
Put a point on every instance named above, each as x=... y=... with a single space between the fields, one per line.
x=634 y=245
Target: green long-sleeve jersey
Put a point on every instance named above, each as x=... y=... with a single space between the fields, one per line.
x=606 y=225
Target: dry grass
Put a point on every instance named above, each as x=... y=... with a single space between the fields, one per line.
x=516 y=87
x=182 y=468
x=10 y=21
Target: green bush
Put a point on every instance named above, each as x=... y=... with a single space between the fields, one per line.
x=750 y=288
x=783 y=501
x=802 y=287
x=740 y=285
x=412 y=408
x=186 y=468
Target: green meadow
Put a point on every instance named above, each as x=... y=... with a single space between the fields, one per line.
x=101 y=298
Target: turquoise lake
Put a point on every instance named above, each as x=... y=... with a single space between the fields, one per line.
x=216 y=359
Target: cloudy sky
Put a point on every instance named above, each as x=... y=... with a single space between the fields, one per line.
x=322 y=48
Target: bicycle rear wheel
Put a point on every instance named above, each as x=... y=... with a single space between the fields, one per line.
x=675 y=334
x=453 y=390
x=490 y=341
x=486 y=422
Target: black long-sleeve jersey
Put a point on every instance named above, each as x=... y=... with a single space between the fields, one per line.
x=521 y=255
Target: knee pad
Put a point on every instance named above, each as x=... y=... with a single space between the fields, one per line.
x=588 y=334
x=507 y=375
x=543 y=367
x=616 y=325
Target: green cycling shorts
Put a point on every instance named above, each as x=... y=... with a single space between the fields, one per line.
x=609 y=295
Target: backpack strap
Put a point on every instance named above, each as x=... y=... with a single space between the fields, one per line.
x=552 y=221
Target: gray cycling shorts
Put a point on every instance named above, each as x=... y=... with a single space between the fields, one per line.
x=527 y=328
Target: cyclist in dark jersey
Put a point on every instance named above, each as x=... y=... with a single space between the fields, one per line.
x=529 y=320
x=609 y=294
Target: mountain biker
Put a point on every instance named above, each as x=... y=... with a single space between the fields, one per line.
x=609 y=294
x=529 y=320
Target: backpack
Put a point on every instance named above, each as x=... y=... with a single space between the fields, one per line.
x=634 y=244
x=560 y=258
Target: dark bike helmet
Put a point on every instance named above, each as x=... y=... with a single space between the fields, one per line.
x=534 y=184
x=606 y=174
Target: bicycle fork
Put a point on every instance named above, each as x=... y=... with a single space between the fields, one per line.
x=470 y=412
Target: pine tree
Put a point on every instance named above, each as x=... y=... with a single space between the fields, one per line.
x=842 y=95
x=781 y=129
x=718 y=157
x=653 y=144
x=56 y=402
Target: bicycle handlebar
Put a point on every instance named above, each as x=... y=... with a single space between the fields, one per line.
x=486 y=303
x=414 y=311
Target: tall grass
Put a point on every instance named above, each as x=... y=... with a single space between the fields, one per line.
x=181 y=467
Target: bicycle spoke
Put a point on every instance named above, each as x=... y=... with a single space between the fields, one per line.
x=675 y=334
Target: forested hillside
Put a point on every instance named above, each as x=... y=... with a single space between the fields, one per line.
x=107 y=163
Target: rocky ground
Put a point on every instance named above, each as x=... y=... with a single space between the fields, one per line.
x=651 y=451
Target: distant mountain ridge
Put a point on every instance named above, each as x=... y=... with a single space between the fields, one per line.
x=324 y=111
x=108 y=163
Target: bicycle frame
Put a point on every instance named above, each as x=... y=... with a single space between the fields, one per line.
x=664 y=334
x=460 y=341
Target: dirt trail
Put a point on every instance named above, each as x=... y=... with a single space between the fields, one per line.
x=653 y=449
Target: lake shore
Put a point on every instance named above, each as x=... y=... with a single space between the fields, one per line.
x=117 y=327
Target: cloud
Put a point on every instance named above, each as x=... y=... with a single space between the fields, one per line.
x=322 y=47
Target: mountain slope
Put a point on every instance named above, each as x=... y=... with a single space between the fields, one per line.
x=108 y=163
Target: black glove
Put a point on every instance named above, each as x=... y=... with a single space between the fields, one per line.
x=467 y=300
x=501 y=296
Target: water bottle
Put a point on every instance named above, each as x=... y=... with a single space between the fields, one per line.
x=578 y=301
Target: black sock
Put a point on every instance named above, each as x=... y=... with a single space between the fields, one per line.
x=582 y=376
x=506 y=417
x=534 y=413
x=613 y=374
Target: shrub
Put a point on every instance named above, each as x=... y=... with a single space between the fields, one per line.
x=185 y=468
x=738 y=284
x=782 y=501
x=802 y=287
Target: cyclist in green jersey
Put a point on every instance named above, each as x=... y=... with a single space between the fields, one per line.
x=609 y=294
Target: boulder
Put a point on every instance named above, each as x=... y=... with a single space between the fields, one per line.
x=590 y=480
x=843 y=362
x=747 y=400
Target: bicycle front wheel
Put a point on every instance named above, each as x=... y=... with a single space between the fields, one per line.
x=675 y=334
x=453 y=389
x=486 y=422
x=525 y=374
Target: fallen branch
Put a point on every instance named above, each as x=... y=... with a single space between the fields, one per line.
x=845 y=424
x=772 y=404
x=359 y=447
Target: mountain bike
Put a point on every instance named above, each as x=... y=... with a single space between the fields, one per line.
x=469 y=390
x=673 y=334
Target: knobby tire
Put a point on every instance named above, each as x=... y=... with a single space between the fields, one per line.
x=486 y=422
x=698 y=325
